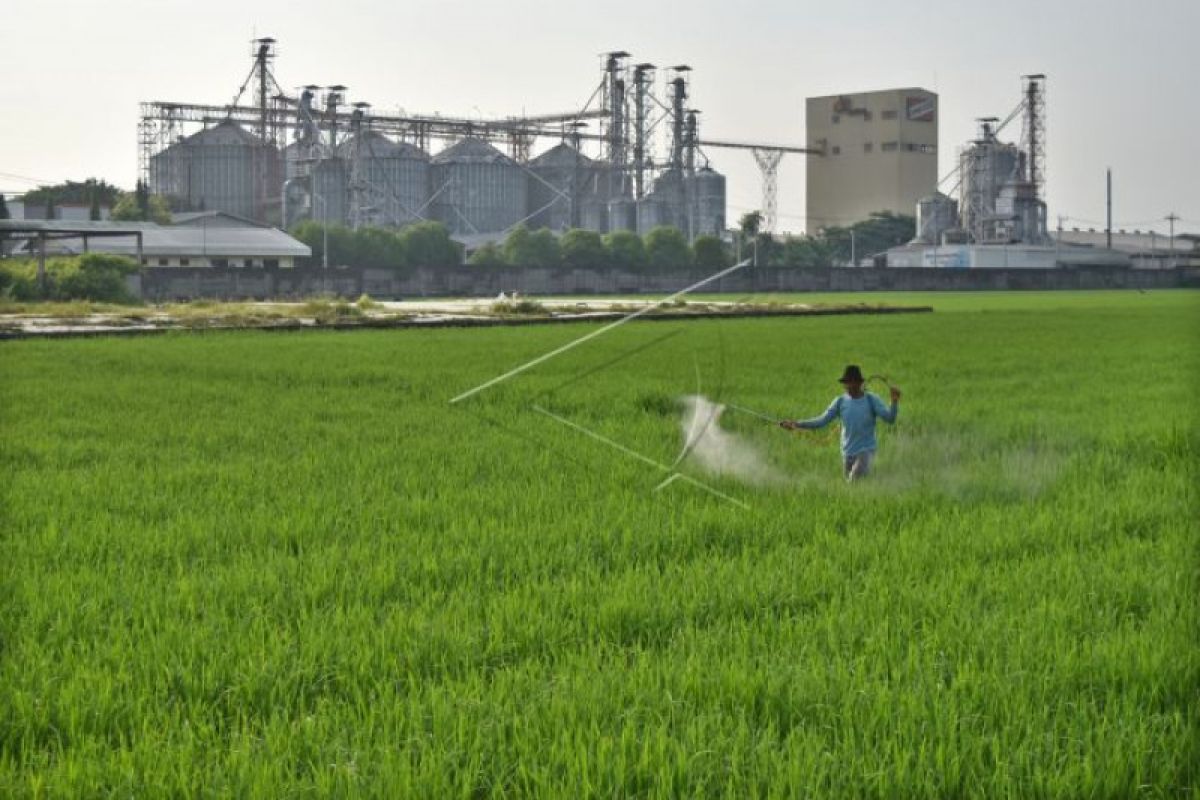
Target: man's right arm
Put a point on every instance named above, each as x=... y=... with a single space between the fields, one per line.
x=829 y=416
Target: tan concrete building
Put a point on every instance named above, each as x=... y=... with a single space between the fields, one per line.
x=880 y=154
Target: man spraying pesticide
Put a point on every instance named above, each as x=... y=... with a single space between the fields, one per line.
x=858 y=410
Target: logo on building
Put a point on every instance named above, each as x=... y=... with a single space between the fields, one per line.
x=920 y=109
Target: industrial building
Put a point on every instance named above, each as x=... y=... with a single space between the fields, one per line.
x=998 y=218
x=1145 y=249
x=188 y=245
x=880 y=154
x=280 y=158
x=69 y=212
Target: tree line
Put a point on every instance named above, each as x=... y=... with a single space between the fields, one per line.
x=428 y=244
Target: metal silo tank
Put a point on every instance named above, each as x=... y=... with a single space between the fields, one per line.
x=670 y=194
x=649 y=215
x=985 y=167
x=478 y=189
x=223 y=168
x=622 y=215
x=388 y=181
x=593 y=215
x=558 y=181
x=936 y=214
x=330 y=184
x=707 y=197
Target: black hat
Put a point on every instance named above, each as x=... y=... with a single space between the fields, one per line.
x=852 y=373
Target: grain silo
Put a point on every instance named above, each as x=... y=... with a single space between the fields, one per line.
x=330 y=190
x=477 y=189
x=670 y=196
x=388 y=181
x=560 y=180
x=936 y=214
x=707 y=201
x=222 y=168
x=985 y=167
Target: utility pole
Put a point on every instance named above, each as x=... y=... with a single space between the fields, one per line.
x=1108 y=228
x=1172 y=218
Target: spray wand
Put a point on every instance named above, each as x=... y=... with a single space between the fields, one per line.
x=753 y=413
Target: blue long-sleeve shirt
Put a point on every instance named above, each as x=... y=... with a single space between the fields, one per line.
x=858 y=420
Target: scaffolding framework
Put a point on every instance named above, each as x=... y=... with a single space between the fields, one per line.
x=626 y=105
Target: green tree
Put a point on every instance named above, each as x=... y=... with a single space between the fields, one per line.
x=94 y=207
x=4 y=214
x=75 y=193
x=750 y=224
x=129 y=209
x=489 y=255
x=802 y=252
x=517 y=245
x=625 y=250
x=709 y=252
x=753 y=241
x=378 y=248
x=428 y=244
x=341 y=241
x=667 y=248
x=546 y=251
x=96 y=277
x=141 y=193
x=582 y=249
x=881 y=231
x=526 y=248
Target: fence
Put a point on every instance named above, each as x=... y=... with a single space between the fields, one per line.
x=183 y=283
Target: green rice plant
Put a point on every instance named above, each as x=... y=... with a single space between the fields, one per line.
x=255 y=564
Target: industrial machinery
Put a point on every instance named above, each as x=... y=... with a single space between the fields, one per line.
x=284 y=157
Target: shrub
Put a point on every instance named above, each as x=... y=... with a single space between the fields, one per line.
x=525 y=248
x=666 y=248
x=96 y=277
x=488 y=255
x=582 y=249
x=428 y=244
x=625 y=250
x=709 y=252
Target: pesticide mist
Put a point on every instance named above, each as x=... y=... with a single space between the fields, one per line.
x=718 y=451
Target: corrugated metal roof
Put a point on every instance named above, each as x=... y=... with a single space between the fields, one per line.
x=373 y=144
x=471 y=151
x=225 y=133
x=561 y=155
x=157 y=241
x=72 y=226
x=214 y=219
x=1125 y=241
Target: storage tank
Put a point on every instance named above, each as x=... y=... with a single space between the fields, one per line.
x=649 y=215
x=670 y=194
x=593 y=215
x=1021 y=216
x=622 y=215
x=388 y=181
x=936 y=214
x=477 y=188
x=223 y=168
x=559 y=180
x=330 y=185
x=985 y=167
x=707 y=197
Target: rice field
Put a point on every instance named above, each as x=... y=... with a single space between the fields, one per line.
x=250 y=564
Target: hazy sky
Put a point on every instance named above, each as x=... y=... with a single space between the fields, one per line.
x=1122 y=76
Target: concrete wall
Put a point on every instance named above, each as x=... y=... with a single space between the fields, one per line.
x=183 y=283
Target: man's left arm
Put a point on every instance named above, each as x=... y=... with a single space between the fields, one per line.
x=889 y=413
